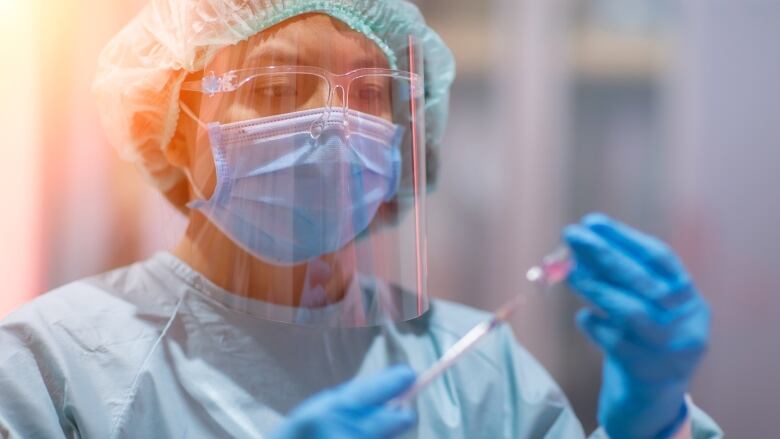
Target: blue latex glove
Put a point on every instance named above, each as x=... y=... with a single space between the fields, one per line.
x=647 y=317
x=355 y=409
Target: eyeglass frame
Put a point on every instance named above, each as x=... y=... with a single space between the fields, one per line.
x=226 y=82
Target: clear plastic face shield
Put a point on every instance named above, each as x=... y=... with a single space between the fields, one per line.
x=307 y=164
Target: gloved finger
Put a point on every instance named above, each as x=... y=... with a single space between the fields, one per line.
x=619 y=349
x=599 y=330
x=625 y=310
x=690 y=325
x=650 y=251
x=387 y=422
x=609 y=263
x=378 y=389
x=641 y=322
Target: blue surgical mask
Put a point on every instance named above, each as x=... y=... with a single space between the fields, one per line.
x=287 y=196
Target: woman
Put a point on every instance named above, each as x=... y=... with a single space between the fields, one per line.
x=299 y=138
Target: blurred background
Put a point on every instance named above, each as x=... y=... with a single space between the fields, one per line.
x=663 y=114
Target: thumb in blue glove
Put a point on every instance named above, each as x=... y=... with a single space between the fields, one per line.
x=356 y=409
x=648 y=319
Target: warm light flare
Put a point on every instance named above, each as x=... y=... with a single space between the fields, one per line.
x=19 y=177
x=8 y=7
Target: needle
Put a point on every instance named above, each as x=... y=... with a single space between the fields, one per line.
x=460 y=348
x=554 y=268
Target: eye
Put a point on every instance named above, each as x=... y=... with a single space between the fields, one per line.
x=278 y=91
x=369 y=92
x=273 y=87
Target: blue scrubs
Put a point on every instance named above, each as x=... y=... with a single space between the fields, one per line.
x=156 y=350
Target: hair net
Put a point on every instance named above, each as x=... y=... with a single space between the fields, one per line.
x=141 y=70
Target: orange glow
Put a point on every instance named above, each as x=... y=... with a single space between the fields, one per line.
x=20 y=267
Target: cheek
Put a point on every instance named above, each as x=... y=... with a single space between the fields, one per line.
x=387 y=115
x=238 y=112
x=202 y=166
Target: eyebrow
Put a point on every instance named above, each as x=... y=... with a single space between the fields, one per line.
x=276 y=50
x=271 y=50
x=367 y=62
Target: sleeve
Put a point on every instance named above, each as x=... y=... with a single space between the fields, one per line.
x=701 y=425
x=33 y=383
x=536 y=406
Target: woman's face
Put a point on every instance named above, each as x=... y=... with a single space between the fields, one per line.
x=310 y=40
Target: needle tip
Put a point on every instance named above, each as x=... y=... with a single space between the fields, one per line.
x=535 y=274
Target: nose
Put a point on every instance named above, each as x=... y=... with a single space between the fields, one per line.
x=337 y=101
x=331 y=96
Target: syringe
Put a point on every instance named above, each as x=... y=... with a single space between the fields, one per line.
x=553 y=269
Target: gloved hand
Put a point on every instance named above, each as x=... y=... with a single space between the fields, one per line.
x=355 y=409
x=647 y=317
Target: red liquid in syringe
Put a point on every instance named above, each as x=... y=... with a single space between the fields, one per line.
x=553 y=269
x=556 y=271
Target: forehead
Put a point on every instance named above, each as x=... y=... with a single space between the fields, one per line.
x=306 y=40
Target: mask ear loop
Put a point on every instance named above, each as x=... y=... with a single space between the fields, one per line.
x=187 y=172
x=188 y=111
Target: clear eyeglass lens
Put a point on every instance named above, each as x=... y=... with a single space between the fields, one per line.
x=278 y=93
x=372 y=95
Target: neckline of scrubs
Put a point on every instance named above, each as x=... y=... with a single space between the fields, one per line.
x=359 y=307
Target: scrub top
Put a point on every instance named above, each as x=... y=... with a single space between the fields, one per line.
x=156 y=350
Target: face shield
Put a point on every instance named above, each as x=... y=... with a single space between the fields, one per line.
x=308 y=168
